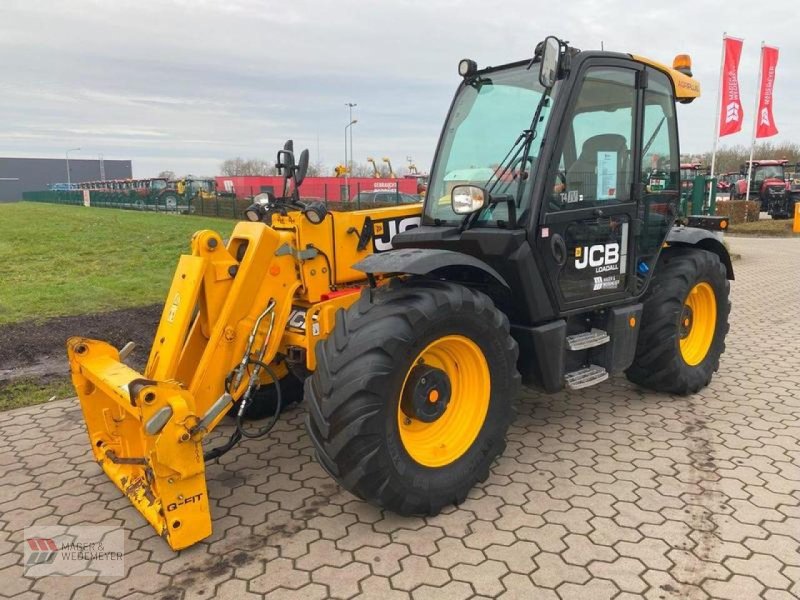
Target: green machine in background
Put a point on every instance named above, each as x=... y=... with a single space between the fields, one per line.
x=696 y=201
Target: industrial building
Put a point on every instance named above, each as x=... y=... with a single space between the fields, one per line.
x=19 y=175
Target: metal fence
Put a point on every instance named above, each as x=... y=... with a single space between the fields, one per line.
x=222 y=206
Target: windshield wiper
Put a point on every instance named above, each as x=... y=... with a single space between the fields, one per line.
x=520 y=148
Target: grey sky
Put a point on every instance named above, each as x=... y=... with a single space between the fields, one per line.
x=184 y=84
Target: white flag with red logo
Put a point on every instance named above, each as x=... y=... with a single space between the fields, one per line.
x=731 y=115
x=766 y=122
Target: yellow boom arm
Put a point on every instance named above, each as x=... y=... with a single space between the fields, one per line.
x=146 y=430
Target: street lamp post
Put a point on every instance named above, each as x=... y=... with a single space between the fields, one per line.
x=350 y=106
x=69 y=177
x=346 y=168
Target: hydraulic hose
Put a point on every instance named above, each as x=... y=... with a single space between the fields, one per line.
x=261 y=431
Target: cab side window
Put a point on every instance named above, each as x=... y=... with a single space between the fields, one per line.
x=660 y=176
x=595 y=164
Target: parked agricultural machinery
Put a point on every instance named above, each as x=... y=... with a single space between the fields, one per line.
x=768 y=186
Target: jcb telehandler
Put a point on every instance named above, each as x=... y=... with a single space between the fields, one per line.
x=546 y=252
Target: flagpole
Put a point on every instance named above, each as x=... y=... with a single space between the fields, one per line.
x=755 y=126
x=719 y=108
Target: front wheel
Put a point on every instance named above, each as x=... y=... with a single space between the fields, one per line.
x=684 y=323
x=412 y=395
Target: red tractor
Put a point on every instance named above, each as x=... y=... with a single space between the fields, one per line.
x=768 y=186
x=727 y=181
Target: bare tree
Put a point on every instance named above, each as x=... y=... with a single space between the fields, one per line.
x=253 y=166
x=316 y=169
x=366 y=170
x=731 y=158
x=169 y=175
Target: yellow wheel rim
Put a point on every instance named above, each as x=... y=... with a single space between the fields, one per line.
x=446 y=439
x=698 y=321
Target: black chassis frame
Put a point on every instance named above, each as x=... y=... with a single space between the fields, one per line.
x=523 y=290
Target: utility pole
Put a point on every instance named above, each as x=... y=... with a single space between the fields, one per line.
x=102 y=168
x=69 y=177
x=346 y=167
x=350 y=105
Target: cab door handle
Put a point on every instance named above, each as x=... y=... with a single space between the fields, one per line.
x=558 y=247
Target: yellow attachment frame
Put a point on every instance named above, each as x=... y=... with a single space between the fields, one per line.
x=225 y=305
x=146 y=430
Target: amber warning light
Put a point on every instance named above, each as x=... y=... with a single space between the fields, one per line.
x=683 y=63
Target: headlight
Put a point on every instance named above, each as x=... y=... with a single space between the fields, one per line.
x=315 y=212
x=254 y=212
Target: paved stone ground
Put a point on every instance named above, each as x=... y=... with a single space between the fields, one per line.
x=609 y=493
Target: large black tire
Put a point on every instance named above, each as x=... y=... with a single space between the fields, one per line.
x=265 y=398
x=353 y=395
x=659 y=363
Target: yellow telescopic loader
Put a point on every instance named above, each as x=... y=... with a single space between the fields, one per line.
x=547 y=252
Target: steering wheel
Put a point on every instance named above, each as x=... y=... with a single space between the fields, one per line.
x=517 y=164
x=553 y=204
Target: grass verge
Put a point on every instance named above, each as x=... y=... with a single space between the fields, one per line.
x=67 y=260
x=29 y=391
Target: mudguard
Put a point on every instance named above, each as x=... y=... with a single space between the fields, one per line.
x=704 y=239
x=422 y=261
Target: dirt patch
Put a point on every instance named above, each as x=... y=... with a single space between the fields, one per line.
x=39 y=349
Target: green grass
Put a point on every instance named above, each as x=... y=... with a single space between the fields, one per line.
x=765 y=227
x=67 y=260
x=28 y=391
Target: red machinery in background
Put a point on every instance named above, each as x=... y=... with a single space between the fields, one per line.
x=331 y=189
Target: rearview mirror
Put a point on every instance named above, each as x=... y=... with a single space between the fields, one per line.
x=302 y=167
x=467 y=199
x=285 y=161
x=551 y=60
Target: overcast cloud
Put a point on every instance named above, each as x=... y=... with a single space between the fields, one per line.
x=184 y=84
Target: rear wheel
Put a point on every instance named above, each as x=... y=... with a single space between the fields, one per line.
x=412 y=395
x=684 y=323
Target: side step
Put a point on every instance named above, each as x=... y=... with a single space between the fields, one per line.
x=585 y=377
x=588 y=339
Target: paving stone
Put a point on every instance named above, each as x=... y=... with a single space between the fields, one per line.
x=624 y=572
x=484 y=577
x=342 y=582
x=553 y=571
x=416 y=571
x=765 y=568
x=735 y=588
x=596 y=589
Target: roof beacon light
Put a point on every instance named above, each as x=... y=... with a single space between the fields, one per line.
x=683 y=64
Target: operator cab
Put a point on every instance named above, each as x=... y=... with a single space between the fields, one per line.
x=562 y=173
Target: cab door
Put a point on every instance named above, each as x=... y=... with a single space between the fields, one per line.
x=586 y=227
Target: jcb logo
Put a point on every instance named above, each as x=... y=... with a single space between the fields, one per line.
x=297 y=319
x=384 y=230
x=181 y=502
x=601 y=257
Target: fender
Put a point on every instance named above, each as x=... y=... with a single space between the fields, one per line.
x=703 y=239
x=422 y=261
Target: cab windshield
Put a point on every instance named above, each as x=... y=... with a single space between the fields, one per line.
x=768 y=172
x=487 y=118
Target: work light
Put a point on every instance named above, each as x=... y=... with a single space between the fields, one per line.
x=467 y=67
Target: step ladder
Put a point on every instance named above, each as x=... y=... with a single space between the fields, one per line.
x=585 y=377
x=587 y=339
